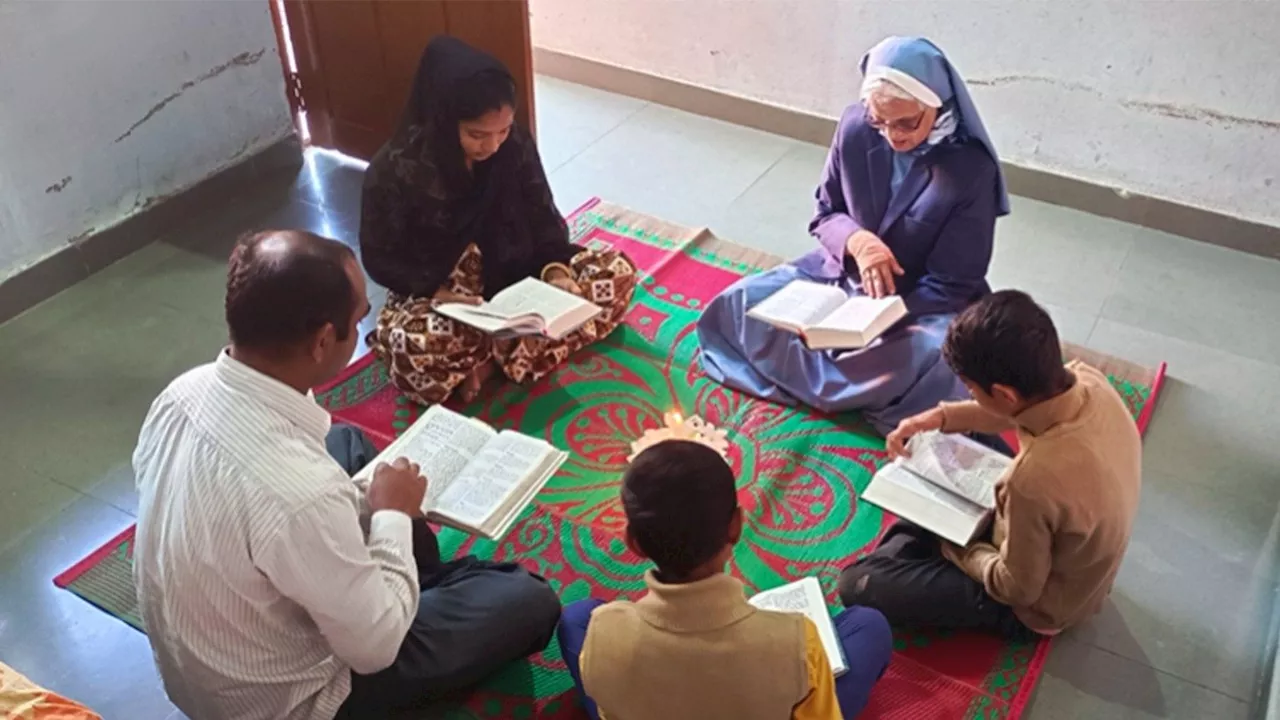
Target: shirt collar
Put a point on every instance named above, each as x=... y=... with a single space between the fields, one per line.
x=1043 y=416
x=700 y=606
x=299 y=409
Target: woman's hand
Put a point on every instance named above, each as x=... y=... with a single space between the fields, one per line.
x=445 y=295
x=876 y=263
x=559 y=278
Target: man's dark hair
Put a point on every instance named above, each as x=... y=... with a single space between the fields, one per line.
x=679 y=497
x=1007 y=339
x=276 y=299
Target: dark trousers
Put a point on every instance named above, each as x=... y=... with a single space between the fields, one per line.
x=473 y=617
x=864 y=635
x=907 y=578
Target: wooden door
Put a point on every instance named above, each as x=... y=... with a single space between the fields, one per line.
x=356 y=60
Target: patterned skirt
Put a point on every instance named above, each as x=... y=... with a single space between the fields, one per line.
x=429 y=355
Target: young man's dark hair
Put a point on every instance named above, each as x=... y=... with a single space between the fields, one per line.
x=1007 y=339
x=680 y=498
x=276 y=300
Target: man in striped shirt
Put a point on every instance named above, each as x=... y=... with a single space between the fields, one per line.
x=269 y=585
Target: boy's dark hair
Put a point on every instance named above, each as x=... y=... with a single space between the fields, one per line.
x=277 y=300
x=1007 y=339
x=679 y=497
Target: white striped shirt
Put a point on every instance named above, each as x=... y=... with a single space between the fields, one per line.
x=259 y=590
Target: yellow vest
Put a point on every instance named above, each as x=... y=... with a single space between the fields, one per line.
x=696 y=651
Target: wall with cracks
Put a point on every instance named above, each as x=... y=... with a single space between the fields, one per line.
x=1171 y=98
x=107 y=107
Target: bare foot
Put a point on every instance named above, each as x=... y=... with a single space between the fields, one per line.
x=472 y=386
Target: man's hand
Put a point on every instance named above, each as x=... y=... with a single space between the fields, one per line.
x=399 y=486
x=876 y=263
x=928 y=420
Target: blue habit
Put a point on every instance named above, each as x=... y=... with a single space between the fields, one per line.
x=939 y=223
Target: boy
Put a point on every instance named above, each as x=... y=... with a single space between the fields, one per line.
x=693 y=647
x=1064 y=509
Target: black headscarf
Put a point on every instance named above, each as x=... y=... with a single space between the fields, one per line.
x=421 y=205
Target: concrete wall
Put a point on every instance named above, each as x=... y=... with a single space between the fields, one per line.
x=106 y=107
x=1178 y=99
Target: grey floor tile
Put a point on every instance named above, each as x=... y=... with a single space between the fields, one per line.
x=1201 y=293
x=1074 y=326
x=680 y=167
x=337 y=190
x=117 y=488
x=1194 y=594
x=1064 y=257
x=88 y=385
x=308 y=182
x=193 y=278
x=572 y=117
x=1087 y=683
x=773 y=214
x=63 y=642
x=27 y=501
x=1215 y=422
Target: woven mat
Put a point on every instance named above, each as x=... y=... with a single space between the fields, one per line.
x=800 y=474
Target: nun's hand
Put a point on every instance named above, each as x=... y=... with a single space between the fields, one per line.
x=876 y=263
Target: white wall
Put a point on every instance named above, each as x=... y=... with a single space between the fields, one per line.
x=1179 y=99
x=105 y=106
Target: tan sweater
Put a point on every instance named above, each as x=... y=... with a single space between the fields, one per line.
x=1065 y=508
x=697 y=650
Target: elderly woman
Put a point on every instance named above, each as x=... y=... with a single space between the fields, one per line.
x=907 y=206
x=456 y=207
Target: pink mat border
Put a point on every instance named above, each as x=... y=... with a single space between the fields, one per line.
x=74 y=572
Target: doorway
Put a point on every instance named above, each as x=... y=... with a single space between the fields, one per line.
x=348 y=64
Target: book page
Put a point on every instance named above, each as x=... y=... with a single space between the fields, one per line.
x=899 y=475
x=798 y=305
x=499 y=523
x=805 y=597
x=478 y=317
x=441 y=442
x=909 y=496
x=958 y=464
x=532 y=296
x=492 y=477
x=858 y=314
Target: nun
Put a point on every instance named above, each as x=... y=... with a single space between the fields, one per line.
x=907 y=206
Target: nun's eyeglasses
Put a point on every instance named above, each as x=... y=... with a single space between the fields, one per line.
x=904 y=125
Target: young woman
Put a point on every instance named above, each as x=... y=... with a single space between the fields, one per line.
x=907 y=205
x=456 y=207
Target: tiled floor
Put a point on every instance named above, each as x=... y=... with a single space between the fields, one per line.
x=1179 y=639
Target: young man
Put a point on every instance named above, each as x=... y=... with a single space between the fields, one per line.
x=693 y=647
x=262 y=596
x=1064 y=509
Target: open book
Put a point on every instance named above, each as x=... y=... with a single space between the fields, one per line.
x=805 y=597
x=478 y=479
x=826 y=317
x=947 y=486
x=530 y=307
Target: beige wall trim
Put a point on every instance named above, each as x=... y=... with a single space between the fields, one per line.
x=1155 y=213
